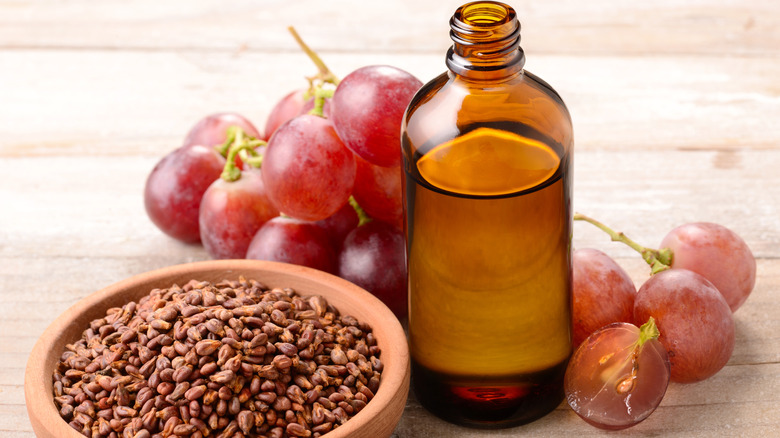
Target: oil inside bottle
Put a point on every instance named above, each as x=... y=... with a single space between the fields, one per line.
x=489 y=274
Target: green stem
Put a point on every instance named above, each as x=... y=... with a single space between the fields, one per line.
x=320 y=94
x=255 y=160
x=648 y=331
x=363 y=217
x=229 y=138
x=325 y=75
x=658 y=259
x=243 y=146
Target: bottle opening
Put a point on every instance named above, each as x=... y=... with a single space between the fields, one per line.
x=486 y=37
x=485 y=13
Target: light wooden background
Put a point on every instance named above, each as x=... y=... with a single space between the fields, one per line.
x=675 y=107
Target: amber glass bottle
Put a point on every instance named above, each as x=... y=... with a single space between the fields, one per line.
x=487 y=151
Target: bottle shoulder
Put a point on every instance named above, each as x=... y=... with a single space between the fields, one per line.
x=449 y=103
x=548 y=90
x=522 y=89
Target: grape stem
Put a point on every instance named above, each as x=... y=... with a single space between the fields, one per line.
x=648 y=331
x=229 y=138
x=238 y=143
x=658 y=259
x=324 y=75
x=320 y=94
x=363 y=217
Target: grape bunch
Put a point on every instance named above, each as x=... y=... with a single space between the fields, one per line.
x=619 y=373
x=321 y=187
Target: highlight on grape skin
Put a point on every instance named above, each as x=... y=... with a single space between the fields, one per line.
x=618 y=376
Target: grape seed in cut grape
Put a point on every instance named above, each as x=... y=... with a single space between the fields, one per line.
x=308 y=172
x=231 y=212
x=718 y=254
x=696 y=324
x=618 y=376
x=174 y=188
x=602 y=293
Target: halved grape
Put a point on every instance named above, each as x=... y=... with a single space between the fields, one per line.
x=618 y=376
x=602 y=293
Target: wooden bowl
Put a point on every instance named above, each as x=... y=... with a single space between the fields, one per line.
x=378 y=419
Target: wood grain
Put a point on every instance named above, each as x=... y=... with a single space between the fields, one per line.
x=137 y=102
x=714 y=27
x=674 y=103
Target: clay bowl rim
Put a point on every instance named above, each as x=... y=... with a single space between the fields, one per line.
x=384 y=411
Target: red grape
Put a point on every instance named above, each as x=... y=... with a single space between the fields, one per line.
x=231 y=212
x=696 y=324
x=174 y=188
x=374 y=258
x=289 y=240
x=288 y=107
x=602 y=293
x=338 y=225
x=716 y=253
x=618 y=376
x=367 y=109
x=378 y=191
x=212 y=130
x=308 y=172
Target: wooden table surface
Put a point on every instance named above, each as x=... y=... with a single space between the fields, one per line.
x=675 y=104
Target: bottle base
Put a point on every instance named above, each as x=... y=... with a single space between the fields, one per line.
x=489 y=403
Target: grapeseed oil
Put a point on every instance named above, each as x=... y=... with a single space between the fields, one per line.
x=487 y=159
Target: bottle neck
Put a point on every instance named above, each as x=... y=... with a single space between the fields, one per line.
x=486 y=37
